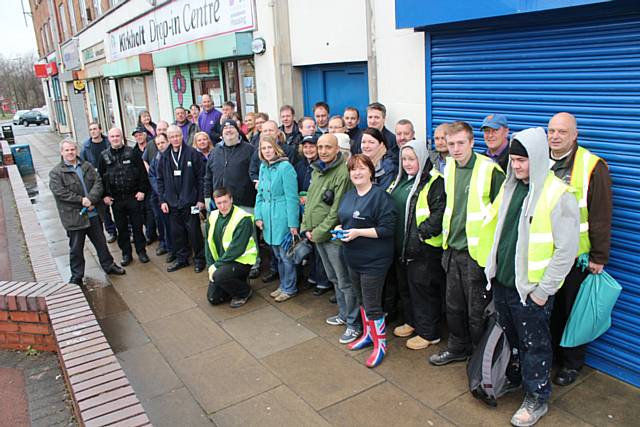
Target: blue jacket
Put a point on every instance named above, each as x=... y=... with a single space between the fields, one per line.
x=386 y=170
x=186 y=189
x=277 y=200
x=153 y=172
x=304 y=171
x=87 y=155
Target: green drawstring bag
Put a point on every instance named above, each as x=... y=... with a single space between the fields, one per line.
x=591 y=313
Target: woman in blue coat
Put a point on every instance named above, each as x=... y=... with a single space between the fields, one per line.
x=277 y=212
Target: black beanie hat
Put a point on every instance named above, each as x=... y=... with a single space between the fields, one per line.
x=517 y=149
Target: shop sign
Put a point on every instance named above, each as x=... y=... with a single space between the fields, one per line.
x=179 y=22
x=79 y=86
x=45 y=70
x=93 y=53
x=71 y=55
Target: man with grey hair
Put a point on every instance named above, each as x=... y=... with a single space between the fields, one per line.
x=77 y=190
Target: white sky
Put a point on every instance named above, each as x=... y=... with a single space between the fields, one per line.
x=15 y=37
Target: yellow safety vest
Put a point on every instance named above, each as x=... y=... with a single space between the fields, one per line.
x=541 y=245
x=422 y=208
x=583 y=165
x=478 y=202
x=250 y=253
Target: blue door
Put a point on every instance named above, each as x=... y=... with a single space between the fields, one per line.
x=339 y=85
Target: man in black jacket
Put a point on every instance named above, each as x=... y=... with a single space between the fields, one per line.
x=180 y=188
x=125 y=186
x=77 y=189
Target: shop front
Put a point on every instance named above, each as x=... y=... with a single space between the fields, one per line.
x=76 y=89
x=98 y=98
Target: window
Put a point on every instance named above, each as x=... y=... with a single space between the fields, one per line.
x=45 y=48
x=83 y=12
x=72 y=18
x=63 y=22
x=133 y=101
x=97 y=7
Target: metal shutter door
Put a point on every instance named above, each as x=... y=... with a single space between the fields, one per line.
x=531 y=71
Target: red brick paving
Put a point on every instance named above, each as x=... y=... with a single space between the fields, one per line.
x=13 y=398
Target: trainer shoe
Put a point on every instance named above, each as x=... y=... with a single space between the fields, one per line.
x=350 y=335
x=284 y=296
x=335 y=320
x=530 y=412
x=275 y=293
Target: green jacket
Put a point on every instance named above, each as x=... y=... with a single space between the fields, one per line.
x=319 y=217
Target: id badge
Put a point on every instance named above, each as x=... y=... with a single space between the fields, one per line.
x=195 y=210
x=177 y=173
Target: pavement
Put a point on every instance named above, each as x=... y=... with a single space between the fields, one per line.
x=270 y=364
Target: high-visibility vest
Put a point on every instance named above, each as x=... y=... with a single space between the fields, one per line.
x=583 y=165
x=478 y=202
x=541 y=245
x=250 y=253
x=422 y=207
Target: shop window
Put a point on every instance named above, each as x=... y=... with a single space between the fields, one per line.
x=93 y=101
x=207 y=80
x=133 y=101
x=240 y=82
x=180 y=86
x=108 y=104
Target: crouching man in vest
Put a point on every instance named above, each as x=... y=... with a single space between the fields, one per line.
x=233 y=251
x=471 y=181
x=588 y=176
x=536 y=222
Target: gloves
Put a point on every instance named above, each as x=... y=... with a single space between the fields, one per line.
x=423 y=231
x=211 y=270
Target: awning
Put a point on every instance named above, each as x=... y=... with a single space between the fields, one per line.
x=134 y=65
x=229 y=45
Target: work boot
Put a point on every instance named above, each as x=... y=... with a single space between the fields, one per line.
x=532 y=409
x=379 y=336
x=365 y=339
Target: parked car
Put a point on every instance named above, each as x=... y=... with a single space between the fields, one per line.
x=34 y=117
x=16 y=117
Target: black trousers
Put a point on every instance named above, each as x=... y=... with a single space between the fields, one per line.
x=569 y=357
x=393 y=294
x=105 y=216
x=229 y=281
x=186 y=235
x=425 y=278
x=369 y=289
x=467 y=298
x=150 y=223
x=527 y=329
x=76 y=248
x=129 y=211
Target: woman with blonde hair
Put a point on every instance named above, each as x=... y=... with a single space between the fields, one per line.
x=277 y=212
x=203 y=145
x=248 y=125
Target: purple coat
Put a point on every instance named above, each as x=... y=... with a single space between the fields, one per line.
x=207 y=119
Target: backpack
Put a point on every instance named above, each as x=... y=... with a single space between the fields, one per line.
x=487 y=367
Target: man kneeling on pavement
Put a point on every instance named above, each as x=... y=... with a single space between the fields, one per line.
x=77 y=189
x=233 y=251
x=536 y=221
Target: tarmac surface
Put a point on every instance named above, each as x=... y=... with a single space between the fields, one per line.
x=270 y=364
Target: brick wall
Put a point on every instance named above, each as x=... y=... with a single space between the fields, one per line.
x=20 y=330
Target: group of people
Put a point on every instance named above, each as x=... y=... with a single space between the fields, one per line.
x=397 y=228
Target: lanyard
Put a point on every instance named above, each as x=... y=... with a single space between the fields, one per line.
x=176 y=162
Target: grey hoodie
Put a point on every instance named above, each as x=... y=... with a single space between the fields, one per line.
x=565 y=222
x=420 y=148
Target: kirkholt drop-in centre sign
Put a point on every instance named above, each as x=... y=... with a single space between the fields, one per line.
x=179 y=22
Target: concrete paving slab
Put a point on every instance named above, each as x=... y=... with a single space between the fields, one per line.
x=123 y=331
x=149 y=374
x=469 y=411
x=176 y=408
x=103 y=299
x=266 y=331
x=383 y=405
x=13 y=398
x=151 y=303
x=302 y=305
x=185 y=333
x=223 y=312
x=611 y=402
x=320 y=373
x=223 y=376
x=274 y=408
x=410 y=371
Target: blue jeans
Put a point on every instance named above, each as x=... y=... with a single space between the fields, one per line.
x=338 y=274
x=317 y=271
x=527 y=329
x=287 y=270
x=164 y=226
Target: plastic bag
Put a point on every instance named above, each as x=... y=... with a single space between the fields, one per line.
x=591 y=313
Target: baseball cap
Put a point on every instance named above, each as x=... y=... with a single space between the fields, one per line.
x=139 y=129
x=310 y=139
x=230 y=122
x=495 y=121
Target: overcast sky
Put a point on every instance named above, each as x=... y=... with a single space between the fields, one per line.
x=15 y=37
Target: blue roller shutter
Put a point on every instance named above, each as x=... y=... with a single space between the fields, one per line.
x=530 y=70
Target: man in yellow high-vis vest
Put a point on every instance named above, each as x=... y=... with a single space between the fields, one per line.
x=588 y=176
x=536 y=237
x=233 y=250
x=472 y=182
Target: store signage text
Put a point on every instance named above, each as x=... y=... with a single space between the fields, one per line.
x=179 y=22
